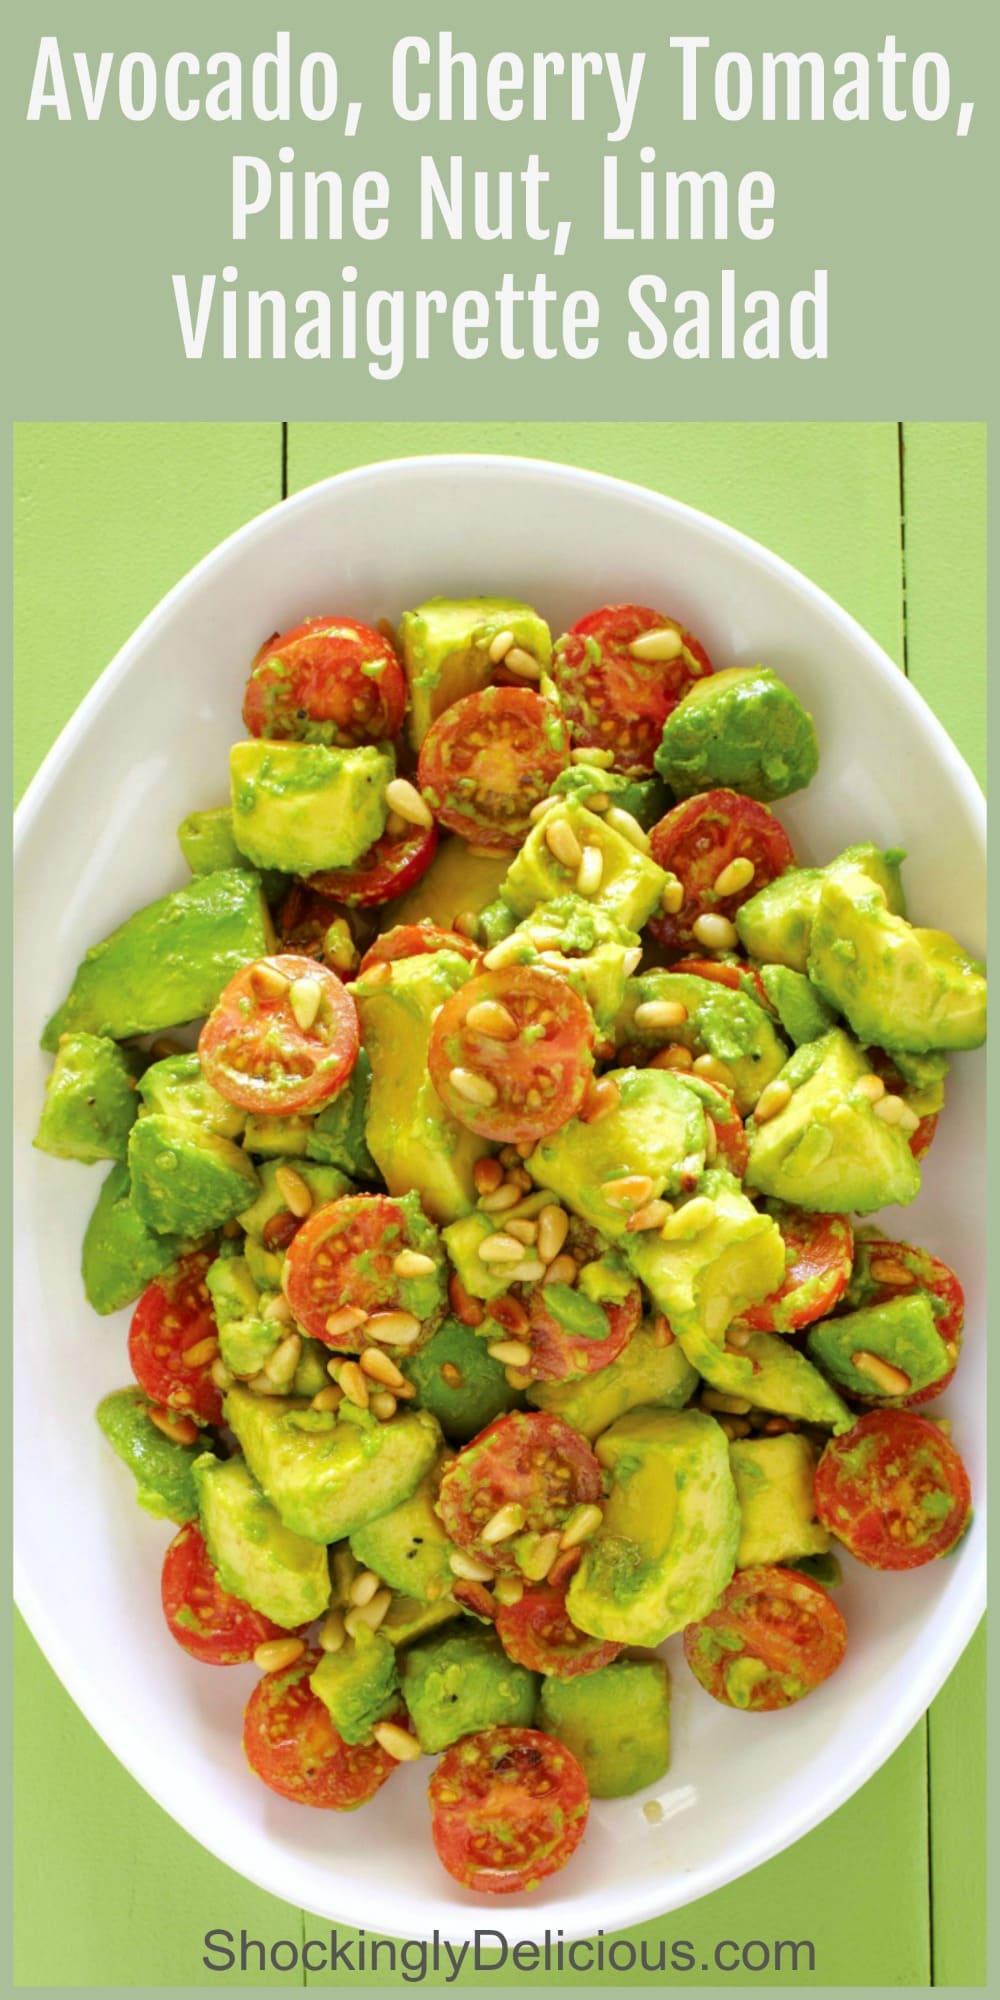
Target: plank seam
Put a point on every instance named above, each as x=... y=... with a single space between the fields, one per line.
x=284 y=461
x=904 y=608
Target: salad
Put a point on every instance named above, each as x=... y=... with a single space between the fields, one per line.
x=505 y=1298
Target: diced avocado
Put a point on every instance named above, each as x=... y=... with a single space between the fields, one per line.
x=742 y=728
x=594 y=952
x=178 y=1089
x=324 y=1184
x=775 y=925
x=169 y=962
x=90 y=1100
x=722 y=1023
x=802 y=1011
x=897 y=986
x=496 y=922
x=462 y=1239
x=304 y=808
x=457 y=1379
x=823 y=1569
x=359 y=1685
x=456 y=881
x=265 y=1266
x=267 y=1136
x=902 y=1332
x=336 y=1136
x=311 y=1369
x=327 y=1475
x=282 y=1575
x=413 y=1139
x=721 y=1255
x=774 y=1485
x=827 y=1150
x=446 y=649
x=647 y=799
x=206 y=841
x=246 y=1340
x=923 y=1077
x=162 y=1469
x=462 y=1681
x=770 y=1374
x=645 y=1374
x=120 y=1254
x=616 y=1722
x=185 y=1179
x=407 y=1619
x=667 y=1545
x=407 y=1547
x=631 y=884
x=656 y=1129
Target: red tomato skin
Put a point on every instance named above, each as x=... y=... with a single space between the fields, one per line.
x=557 y=1355
x=537 y=1632
x=416 y=941
x=784 y=1622
x=822 y=1256
x=508 y=1807
x=175 y=1314
x=880 y=1487
x=929 y=1274
x=488 y=759
x=308 y=684
x=527 y=1456
x=739 y=978
x=697 y=839
x=615 y=702
x=290 y=1742
x=236 y=1043
x=342 y=1255
x=556 y=1067
x=388 y=870
x=210 y=1623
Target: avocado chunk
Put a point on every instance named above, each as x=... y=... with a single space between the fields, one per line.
x=616 y=1722
x=162 y=1470
x=770 y=1374
x=186 y=1180
x=898 y=986
x=206 y=841
x=268 y=1136
x=631 y=884
x=456 y=881
x=408 y=1619
x=827 y=1149
x=646 y=1373
x=647 y=799
x=462 y=1239
x=327 y=1475
x=246 y=1339
x=774 y=1485
x=667 y=1545
x=446 y=650
x=413 y=1139
x=742 y=728
x=719 y=1022
x=589 y=947
x=336 y=1136
x=457 y=1379
x=716 y=1255
x=775 y=925
x=461 y=1681
x=90 y=1100
x=169 y=962
x=656 y=1129
x=407 y=1547
x=256 y=1557
x=324 y=1184
x=177 y=1088
x=903 y=1333
x=120 y=1253
x=359 y=1686
x=802 y=1011
x=303 y=808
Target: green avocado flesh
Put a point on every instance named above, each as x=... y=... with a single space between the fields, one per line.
x=741 y=728
x=615 y=1721
x=163 y=1471
x=461 y=1681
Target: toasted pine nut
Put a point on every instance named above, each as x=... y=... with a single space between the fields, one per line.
x=539 y=810
x=381 y=1368
x=870 y=1086
x=602 y=760
x=268 y=981
x=714 y=1070
x=689 y=1220
x=221 y=1375
x=467 y=925
x=383 y=1405
x=508 y=1590
x=672 y=898
x=602 y=1097
x=328 y=1399
x=563 y=1270
x=714 y=932
x=353 y=1384
x=202 y=1351
x=487 y=1175
x=517 y=661
x=180 y=1430
x=500 y=645
x=508 y=1195
x=501 y=1249
x=663 y=1332
x=738 y=875
x=474 y=1088
x=562 y=843
x=536 y=1561
x=346 y=1320
x=553 y=1228
x=661 y=643
x=363 y=1589
x=652 y=1216
x=525 y=1232
x=591 y=870
x=470 y=1311
x=470 y=1568
x=275 y=1654
x=582 y=1523
x=295 y=1192
x=397 y=1742
x=508 y=1520
x=599 y=803
x=490 y=1017
x=450 y=1375
x=370 y=1614
x=281 y=1365
x=527 y=1272
x=511 y=1353
x=413 y=1264
x=674 y=1056
x=332 y=1632
x=890 y=1108
x=907 y=1120
x=403 y=797
x=305 y=996
x=889 y=1271
x=628 y=826
x=277 y=1309
x=891 y=1381
x=630 y=1191
x=378 y=974
x=772 y=1099
x=395 y=1329
x=660 y=1014
x=730 y=1406
x=509 y=951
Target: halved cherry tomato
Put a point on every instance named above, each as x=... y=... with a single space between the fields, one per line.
x=413 y=941
x=508 y=1807
x=884 y=1270
x=304 y=919
x=209 y=1622
x=557 y=1353
x=173 y=1317
x=739 y=978
x=530 y=1074
x=330 y=680
x=773 y=1636
x=698 y=839
x=921 y=1139
x=488 y=759
x=253 y=1050
x=819 y=1253
x=290 y=1741
x=614 y=701
x=528 y=1458
x=893 y=1490
x=344 y=1255
x=388 y=869
x=539 y=1633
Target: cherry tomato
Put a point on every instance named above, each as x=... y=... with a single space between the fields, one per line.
x=511 y=1053
x=921 y=1139
x=731 y=1142
x=209 y=1622
x=388 y=869
x=173 y=1317
x=739 y=978
x=344 y=1255
x=488 y=759
x=893 y=1490
x=557 y=1353
x=527 y=1458
x=290 y=1741
x=508 y=1807
x=884 y=1270
x=611 y=699
x=330 y=680
x=539 y=1633
x=819 y=1253
x=304 y=919
x=414 y=941
x=697 y=840
x=773 y=1636
x=253 y=1050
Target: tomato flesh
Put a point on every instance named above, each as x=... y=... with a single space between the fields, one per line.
x=290 y=1742
x=255 y=1054
x=611 y=699
x=389 y=868
x=508 y=1807
x=773 y=1637
x=534 y=1075
x=819 y=1255
x=530 y=1458
x=488 y=759
x=174 y=1316
x=344 y=1255
x=210 y=1623
x=884 y=1271
x=539 y=1633
x=415 y=941
x=893 y=1490
x=330 y=680
x=698 y=839
x=557 y=1353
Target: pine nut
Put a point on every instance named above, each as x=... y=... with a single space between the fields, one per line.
x=378 y=974
x=511 y=1353
x=652 y=1216
x=511 y=1315
x=499 y=646
x=738 y=875
x=396 y=825
x=675 y=1056
x=591 y=870
x=672 y=898
x=889 y=1271
x=891 y=1381
x=328 y=1399
x=268 y=981
x=889 y=1108
x=738 y=1336
x=396 y=1742
x=467 y=925
x=772 y=1099
x=517 y=661
x=528 y=1272
x=539 y=811
x=332 y=1632
x=628 y=826
x=870 y=1086
x=413 y=1264
x=663 y=1332
x=180 y=1430
x=404 y=798
x=689 y=1220
x=583 y=1522
x=363 y=1589
x=470 y=1568
x=383 y=1405
x=487 y=1175
x=275 y=1654
x=396 y=1329
x=277 y=1309
x=490 y=1017
x=599 y=802
x=281 y=1365
x=730 y=1406
x=470 y=1311
x=508 y=1520
x=294 y=1191
x=663 y=643
x=502 y=1198
x=602 y=1097
x=450 y=1375
x=908 y=1120
x=381 y=1369
x=353 y=1384
x=347 y=1320
x=602 y=760
x=711 y=1142
x=509 y=951
x=305 y=996
x=553 y=1228
x=563 y=1270
x=632 y=959
x=221 y=1375
x=202 y=1351
x=714 y=1070
x=475 y=1089
x=714 y=932
x=631 y=1191
x=508 y=1590
x=660 y=1014
x=536 y=1561
x=370 y=1614
x=501 y=1249
x=562 y=843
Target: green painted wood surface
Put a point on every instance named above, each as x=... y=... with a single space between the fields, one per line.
x=107 y=518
